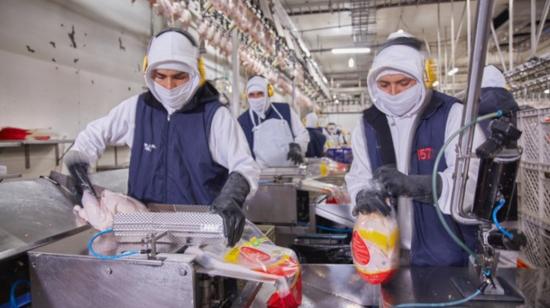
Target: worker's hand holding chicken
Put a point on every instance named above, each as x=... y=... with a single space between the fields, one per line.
x=186 y=148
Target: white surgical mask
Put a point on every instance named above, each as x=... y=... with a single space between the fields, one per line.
x=175 y=98
x=258 y=105
x=401 y=103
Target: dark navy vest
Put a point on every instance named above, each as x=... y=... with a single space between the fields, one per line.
x=316 y=145
x=247 y=125
x=171 y=160
x=431 y=244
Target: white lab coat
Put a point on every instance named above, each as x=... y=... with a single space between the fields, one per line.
x=301 y=136
x=227 y=142
x=400 y=128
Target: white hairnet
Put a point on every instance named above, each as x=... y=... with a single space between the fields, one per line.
x=396 y=59
x=172 y=50
x=257 y=84
x=492 y=78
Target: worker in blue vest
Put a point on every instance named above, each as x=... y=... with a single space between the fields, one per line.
x=275 y=134
x=316 y=146
x=186 y=147
x=394 y=150
x=494 y=96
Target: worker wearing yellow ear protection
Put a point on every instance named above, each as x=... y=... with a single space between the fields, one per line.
x=274 y=131
x=186 y=147
x=396 y=144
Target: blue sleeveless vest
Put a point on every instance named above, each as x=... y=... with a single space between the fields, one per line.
x=247 y=125
x=431 y=244
x=170 y=159
x=316 y=145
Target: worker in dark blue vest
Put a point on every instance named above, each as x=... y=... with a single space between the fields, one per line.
x=186 y=147
x=316 y=146
x=394 y=150
x=275 y=134
x=494 y=96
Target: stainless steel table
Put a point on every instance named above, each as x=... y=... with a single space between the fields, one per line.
x=338 y=285
x=32 y=213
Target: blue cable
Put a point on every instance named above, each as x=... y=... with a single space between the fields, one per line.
x=444 y=304
x=13 y=299
x=506 y=233
x=325 y=228
x=103 y=257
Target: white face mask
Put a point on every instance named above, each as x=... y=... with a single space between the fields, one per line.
x=176 y=97
x=258 y=105
x=401 y=103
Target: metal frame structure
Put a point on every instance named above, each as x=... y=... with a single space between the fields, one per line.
x=475 y=72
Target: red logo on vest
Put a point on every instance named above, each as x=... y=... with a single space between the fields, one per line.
x=424 y=154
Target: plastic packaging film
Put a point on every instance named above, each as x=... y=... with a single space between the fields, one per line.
x=257 y=258
x=375 y=247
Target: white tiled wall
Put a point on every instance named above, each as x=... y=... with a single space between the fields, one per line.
x=45 y=82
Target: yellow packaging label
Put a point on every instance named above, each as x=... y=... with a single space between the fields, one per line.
x=385 y=243
x=323 y=169
x=232 y=256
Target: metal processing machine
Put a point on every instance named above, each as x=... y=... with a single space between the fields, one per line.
x=150 y=260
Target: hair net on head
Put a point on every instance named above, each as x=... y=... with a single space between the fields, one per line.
x=492 y=78
x=400 y=54
x=172 y=50
x=257 y=84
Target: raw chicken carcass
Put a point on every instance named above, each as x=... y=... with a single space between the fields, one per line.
x=185 y=19
x=217 y=38
x=100 y=213
x=210 y=32
x=203 y=29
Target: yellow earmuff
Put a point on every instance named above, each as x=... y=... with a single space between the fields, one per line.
x=144 y=64
x=430 y=72
x=202 y=71
x=270 y=90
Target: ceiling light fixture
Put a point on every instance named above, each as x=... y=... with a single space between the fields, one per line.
x=351 y=63
x=547 y=91
x=340 y=51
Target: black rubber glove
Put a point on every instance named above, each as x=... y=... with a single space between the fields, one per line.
x=295 y=153
x=228 y=205
x=371 y=200
x=396 y=183
x=77 y=163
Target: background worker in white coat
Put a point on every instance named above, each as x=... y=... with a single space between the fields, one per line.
x=335 y=137
x=275 y=134
x=396 y=144
x=186 y=146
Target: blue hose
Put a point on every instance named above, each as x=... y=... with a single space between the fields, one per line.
x=506 y=233
x=103 y=257
x=13 y=298
x=330 y=229
x=444 y=304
